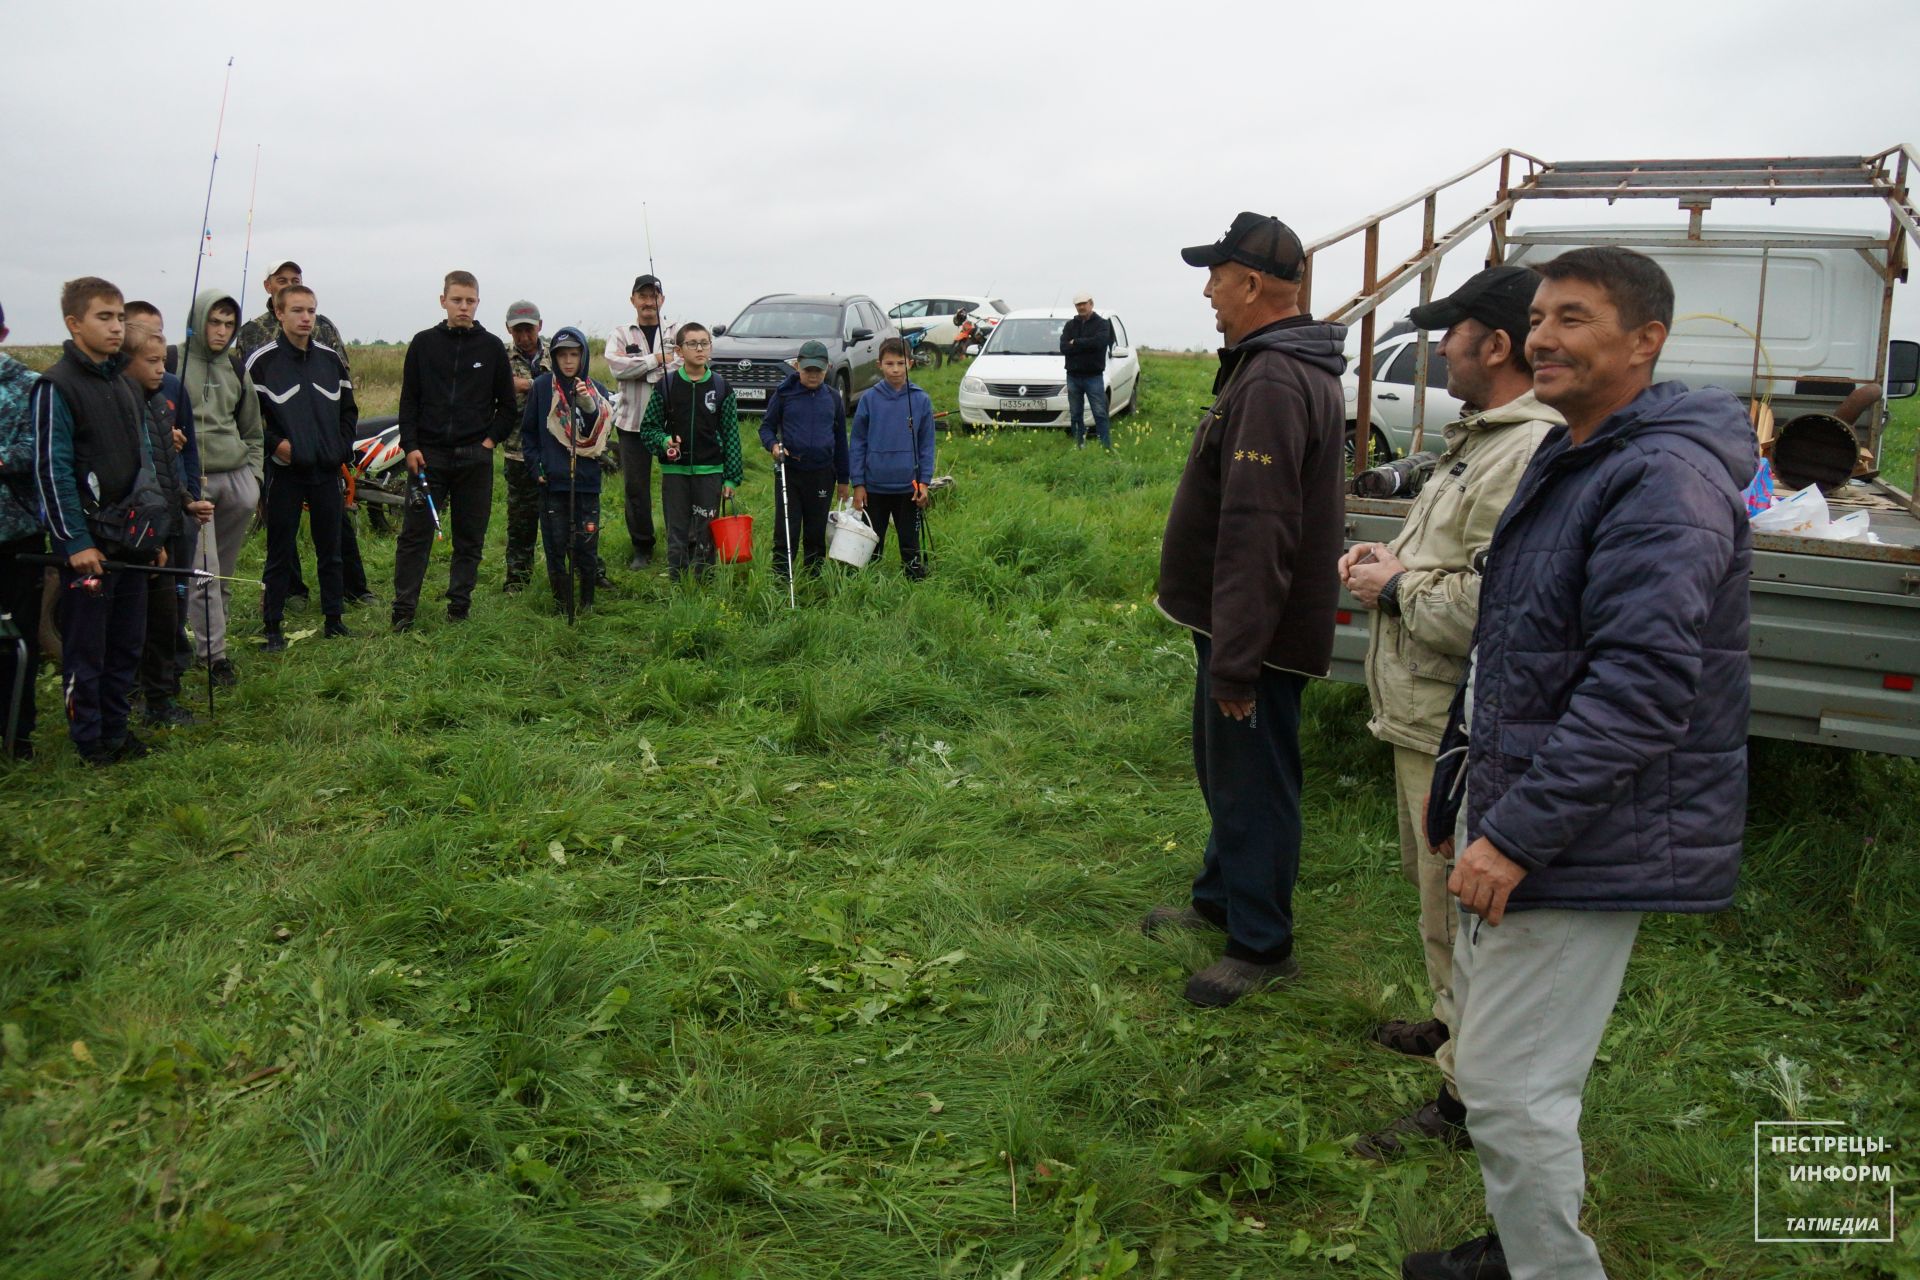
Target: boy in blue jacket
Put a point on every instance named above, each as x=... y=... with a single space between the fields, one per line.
x=805 y=429
x=564 y=432
x=890 y=457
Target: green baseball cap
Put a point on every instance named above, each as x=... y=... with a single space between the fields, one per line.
x=813 y=355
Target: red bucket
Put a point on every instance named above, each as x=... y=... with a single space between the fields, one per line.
x=732 y=537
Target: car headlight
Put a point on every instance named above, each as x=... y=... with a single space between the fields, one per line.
x=973 y=386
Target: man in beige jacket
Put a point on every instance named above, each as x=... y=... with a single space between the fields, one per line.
x=1423 y=589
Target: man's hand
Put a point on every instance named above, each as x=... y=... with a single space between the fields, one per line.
x=521 y=385
x=179 y=440
x=88 y=563
x=859 y=497
x=487 y=443
x=1235 y=708
x=779 y=452
x=283 y=451
x=201 y=510
x=726 y=493
x=416 y=460
x=160 y=561
x=1483 y=878
x=1363 y=575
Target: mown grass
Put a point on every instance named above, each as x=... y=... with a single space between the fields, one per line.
x=711 y=939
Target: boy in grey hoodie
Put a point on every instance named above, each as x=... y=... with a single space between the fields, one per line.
x=232 y=457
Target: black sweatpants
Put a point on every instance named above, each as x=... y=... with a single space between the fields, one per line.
x=20 y=587
x=690 y=502
x=1249 y=772
x=810 y=494
x=524 y=520
x=319 y=493
x=636 y=482
x=899 y=510
x=101 y=633
x=353 y=572
x=584 y=541
x=161 y=660
x=461 y=480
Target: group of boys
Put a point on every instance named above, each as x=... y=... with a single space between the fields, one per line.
x=126 y=449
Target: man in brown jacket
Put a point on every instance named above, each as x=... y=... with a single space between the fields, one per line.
x=1424 y=594
x=1248 y=564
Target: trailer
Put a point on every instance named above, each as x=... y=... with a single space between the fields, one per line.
x=1835 y=636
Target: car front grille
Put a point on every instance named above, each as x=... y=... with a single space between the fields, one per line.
x=753 y=373
x=1023 y=416
x=1025 y=390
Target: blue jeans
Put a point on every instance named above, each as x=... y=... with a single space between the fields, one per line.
x=1091 y=388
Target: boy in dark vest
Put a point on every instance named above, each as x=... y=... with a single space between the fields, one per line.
x=693 y=426
x=96 y=482
x=805 y=429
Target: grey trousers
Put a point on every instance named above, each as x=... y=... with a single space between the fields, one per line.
x=1533 y=995
x=234 y=495
x=689 y=503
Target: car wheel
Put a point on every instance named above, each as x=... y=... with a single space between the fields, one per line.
x=1133 y=398
x=845 y=383
x=1379 y=452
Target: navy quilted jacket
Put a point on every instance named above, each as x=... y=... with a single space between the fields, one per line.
x=1609 y=744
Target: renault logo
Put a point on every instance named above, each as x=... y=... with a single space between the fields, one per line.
x=1023 y=391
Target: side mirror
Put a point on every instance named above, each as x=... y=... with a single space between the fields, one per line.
x=1903 y=368
x=973 y=348
x=861 y=335
x=719 y=331
x=1121 y=353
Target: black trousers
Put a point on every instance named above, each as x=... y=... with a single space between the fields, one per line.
x=810 y=494
x=20 y=600
x=899 y=510
x=690 y=502
x=636 y=482
x=524 y=520
x=461 y=480
x=1249 y=772
x=353 y=571
x=583 y=540
x=319 y=493
x=161 y=657
x=101 y=634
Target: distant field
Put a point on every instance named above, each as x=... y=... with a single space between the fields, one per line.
x=712 y=939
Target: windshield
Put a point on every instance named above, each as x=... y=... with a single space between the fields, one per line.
x=1026 y=338
x=786 y=320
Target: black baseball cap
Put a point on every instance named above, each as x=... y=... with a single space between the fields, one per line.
x=1498 y=298
x=648 y=281
x=1254 y=240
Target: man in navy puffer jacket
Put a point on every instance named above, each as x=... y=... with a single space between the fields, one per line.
x=1607 y=729
x=805 y=429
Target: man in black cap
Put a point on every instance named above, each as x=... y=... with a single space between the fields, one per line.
x=1248 y=565
x=640 y=355
x=1424 y=593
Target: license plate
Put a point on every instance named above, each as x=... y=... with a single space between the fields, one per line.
x=755 y=394
x=1015 y=406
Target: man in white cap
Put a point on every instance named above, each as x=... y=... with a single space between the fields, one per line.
x=1085 y=341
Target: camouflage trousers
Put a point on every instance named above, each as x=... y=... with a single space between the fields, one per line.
x=523 y=519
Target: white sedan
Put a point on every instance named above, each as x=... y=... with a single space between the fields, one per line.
x=1020 y=377
x=1394 y=360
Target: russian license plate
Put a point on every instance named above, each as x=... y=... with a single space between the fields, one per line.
x=1017 y=406
x=755 y=394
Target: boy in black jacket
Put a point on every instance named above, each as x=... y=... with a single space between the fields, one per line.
x=805 y=429
x=456 y=403
x=692 y=424
x=308 y=415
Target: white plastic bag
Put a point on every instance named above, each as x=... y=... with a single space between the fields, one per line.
x=1804 y=513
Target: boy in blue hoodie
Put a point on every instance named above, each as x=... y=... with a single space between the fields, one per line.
x=890 y=457
x=564 y=432
x=805 y=429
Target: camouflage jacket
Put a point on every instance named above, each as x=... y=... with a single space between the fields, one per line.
x=19 y=505
x=528 y=369
x=263 y=328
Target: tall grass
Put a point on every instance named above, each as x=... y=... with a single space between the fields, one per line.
x=711 y=939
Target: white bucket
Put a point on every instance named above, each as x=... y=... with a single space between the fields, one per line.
x=853 y=539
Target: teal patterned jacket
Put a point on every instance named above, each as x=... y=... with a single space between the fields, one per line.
x=19 y=506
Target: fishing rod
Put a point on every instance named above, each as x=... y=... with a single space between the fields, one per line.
x=646 y=218
x=206 y=212
x=247 y=256
x=426 y=491
x=121 y=566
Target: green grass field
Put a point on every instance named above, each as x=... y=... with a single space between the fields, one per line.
x=709 y=939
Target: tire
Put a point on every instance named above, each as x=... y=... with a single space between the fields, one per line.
x=844 y=381
x=1379 y=452
x=1133 y=397
x=930 y=356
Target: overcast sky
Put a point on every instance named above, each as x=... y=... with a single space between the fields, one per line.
x=1030 y=150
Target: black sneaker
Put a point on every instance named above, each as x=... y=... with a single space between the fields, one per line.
x=456 y=614
x=638 y=562
x=99 y=756
x=275 y=642
x=1481 y=1259
x=1227 y=980
x=168 y=714
x=298 y=599
x=223 y=673
x=131 y=748
x=337 y=630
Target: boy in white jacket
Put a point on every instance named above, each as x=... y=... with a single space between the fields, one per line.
x=640 y=355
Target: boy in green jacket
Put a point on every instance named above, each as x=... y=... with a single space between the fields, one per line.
x=693 y=427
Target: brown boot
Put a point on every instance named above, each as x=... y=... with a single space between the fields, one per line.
x=1432 y=1121
x=1227 y=979
x=1415 y=1039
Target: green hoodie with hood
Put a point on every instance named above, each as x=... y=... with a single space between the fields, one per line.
x=226 y=413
